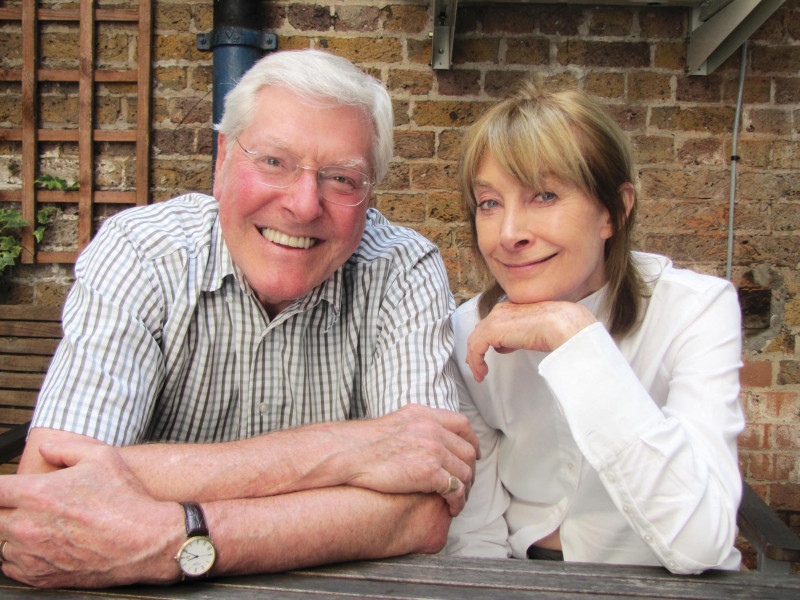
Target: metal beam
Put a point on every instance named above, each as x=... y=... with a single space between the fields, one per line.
x=711 y=42
x=444 y=23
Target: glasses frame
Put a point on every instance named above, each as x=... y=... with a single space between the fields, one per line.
x=367 y=180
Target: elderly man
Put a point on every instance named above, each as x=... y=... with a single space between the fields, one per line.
x=282 y=304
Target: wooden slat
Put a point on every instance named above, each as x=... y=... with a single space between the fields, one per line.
x=113 y=135
x=24 y=364
x=68 y=75
x=22 y=398
x=35 y=346
x=10 y=75
x=50 y=14
x=72 y=135
x=85 y=103
x=30 y=312
x=41 y=329
x=14 y=416
x=22 y=381
x=143 y=105
x=29 y=149
x=65 y=258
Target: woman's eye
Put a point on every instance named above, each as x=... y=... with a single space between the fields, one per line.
x=545 y=197
x=487 y=204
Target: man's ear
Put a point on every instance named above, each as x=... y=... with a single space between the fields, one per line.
x=222 y=149
x=628 y=193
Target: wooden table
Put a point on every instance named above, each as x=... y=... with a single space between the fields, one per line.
x=452 y=578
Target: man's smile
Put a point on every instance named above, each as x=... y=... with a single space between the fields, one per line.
x=283 y=239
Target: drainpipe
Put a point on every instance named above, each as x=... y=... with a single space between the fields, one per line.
x=235 y=46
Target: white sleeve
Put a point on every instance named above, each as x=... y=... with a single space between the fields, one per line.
x=480 y=529
x=109 y=368
x=671 y=471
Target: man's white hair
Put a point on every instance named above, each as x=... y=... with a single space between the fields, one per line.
x=315 y=76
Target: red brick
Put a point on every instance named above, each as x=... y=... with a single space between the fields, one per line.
x=605 y=54
x=756 y=374
x=405 y=19
x=612 y=22
x=784 y=496
x=433 y=176
x=402 y=208
x=767 y=466
x=414 y=144
x=754 y=437
x=457 y=82
x=445 y=207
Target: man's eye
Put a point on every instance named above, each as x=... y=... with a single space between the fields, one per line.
x=272 y=162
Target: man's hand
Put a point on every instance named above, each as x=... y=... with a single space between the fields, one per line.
x=414 y=449
x=88 y=525
x=541 y=327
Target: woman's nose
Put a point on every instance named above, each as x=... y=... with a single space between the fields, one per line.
x=515 y=231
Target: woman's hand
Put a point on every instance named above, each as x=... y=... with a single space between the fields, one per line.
x=541 y=327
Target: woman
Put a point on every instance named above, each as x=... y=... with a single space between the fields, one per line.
x=603 y=383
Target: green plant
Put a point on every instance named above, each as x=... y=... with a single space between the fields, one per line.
x=11 y=222
x=51 y=182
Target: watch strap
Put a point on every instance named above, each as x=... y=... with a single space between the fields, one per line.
x=195 y=520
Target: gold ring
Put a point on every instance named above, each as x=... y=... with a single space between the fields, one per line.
x=2 y=550
x=452 y=485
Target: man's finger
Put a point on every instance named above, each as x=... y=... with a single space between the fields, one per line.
x=455 y=495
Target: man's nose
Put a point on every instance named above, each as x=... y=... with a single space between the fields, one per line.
x=306 y=198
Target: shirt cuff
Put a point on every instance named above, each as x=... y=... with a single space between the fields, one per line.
x=606 y=406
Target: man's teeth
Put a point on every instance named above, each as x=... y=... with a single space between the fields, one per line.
x=277 y=237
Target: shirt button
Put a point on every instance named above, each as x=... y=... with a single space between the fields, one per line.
x=263 y=407
x=648 y=538
x=570 y=465
x=626 y=509
x=611 y=478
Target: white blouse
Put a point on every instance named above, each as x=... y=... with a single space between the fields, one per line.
x=630 y=449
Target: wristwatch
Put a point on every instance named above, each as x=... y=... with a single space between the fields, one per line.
x=197 y=554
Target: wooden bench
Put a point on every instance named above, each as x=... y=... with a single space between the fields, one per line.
x=775 y=544
x=29 y=336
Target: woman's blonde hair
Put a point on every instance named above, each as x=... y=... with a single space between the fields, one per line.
x=534 y=134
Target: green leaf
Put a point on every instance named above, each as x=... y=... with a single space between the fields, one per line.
x=11 y=219
x=51 y=182
x=6 y=260
x=45 y=215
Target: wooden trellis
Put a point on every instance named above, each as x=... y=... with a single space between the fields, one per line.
x=85 y=74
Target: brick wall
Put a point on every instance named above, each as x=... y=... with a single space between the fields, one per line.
x=632 y=59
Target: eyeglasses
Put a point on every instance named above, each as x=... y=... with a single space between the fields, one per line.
x=339 y=185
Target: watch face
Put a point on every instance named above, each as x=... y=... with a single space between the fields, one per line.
x=196 y=556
